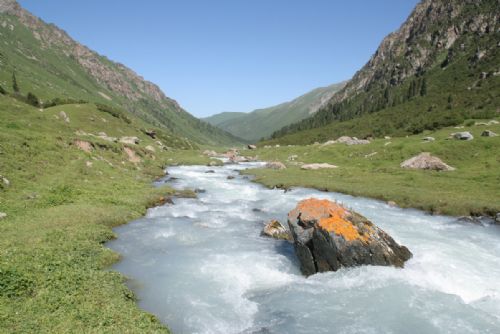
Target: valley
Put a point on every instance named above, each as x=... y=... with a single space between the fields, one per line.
x=122 y=212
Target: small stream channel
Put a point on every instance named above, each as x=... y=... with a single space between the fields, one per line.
x=201 y=266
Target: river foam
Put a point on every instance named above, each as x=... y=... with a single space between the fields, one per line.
x=201 y=266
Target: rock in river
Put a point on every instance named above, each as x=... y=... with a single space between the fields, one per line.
x=274 y=229
x=327 y=236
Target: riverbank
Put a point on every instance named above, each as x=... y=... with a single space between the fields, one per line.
x=207 y=258
x=374 y=171
x=61 y=201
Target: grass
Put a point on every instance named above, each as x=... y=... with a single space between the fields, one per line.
x=473 y=189
x=61 y=204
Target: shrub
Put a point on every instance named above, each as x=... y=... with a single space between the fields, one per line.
x=32 y=99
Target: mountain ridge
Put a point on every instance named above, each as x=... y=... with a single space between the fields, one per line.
x=262 y=122
x=412 y=63
x=52 y=52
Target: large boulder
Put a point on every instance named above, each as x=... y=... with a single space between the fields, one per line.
x=275 y=165
x=352 y=141
x=317 y=166
x=274 y=229
x=251 y=147
x=463 y=135
x=488 y=133
x=426 y=161
x=328 y=236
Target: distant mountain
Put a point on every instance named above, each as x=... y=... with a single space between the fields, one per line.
x=50 y=64
x=439 y=68
x=261 y=123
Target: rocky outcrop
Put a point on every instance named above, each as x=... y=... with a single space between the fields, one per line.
x=274 y=229
x=327 y=237
x=275 y=165
x=426 y=161
x=488 y=133
x=317 y=166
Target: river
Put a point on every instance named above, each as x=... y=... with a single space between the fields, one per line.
x=201 y=266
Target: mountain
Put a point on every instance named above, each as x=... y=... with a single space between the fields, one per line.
x=439 y=68
x=48 y=63
x=261 y=123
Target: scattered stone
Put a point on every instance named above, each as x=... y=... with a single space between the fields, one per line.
x=165 y=200
x=130 y=140
x=387 y=137
x=132 y=156
x=392 y=203
x=497 y=218
x=256 y=210
x=104 y=136
x=200 y=191
x=238 y=159
x=277 y=146
x=252 y=147
x=488 y=133
x=210 y=172
x=210 y=153
x=328 y=236
x=88 y=164
x=462 y=135
x=213 y=163
x=274 y=229
x=469 y=220
x=150 y=148
x=3 y=215
x=151 y=133
x=64 y=117
x=83 y=145
x=292 y=157
x=5 y=181
x=428 y=139
x=426 y=161
x=230 y=177
x=388 y=143
x=317 y=166
x=371 y=154
x=275 y=165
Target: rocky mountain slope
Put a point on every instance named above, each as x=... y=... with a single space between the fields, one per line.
x=441 y=63
x=262 y=123
x=50 y=64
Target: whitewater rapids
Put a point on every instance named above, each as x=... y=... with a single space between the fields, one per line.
x=201 y=266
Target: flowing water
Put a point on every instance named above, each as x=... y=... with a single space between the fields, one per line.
x=201 y=266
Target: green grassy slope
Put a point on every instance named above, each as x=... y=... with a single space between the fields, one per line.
x=398 y=98
x=61 y=204
x=473 y=188
x=48 y=63
x=262 y=123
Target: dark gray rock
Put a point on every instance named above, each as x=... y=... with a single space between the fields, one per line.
x=328 y=236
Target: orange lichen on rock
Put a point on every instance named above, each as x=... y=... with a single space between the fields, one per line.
x=331 y=217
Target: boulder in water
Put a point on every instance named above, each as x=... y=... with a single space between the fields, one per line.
x=328 y=236
x=274 y=229
x=426 y=161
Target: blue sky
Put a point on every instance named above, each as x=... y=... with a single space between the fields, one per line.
x=231 y=55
